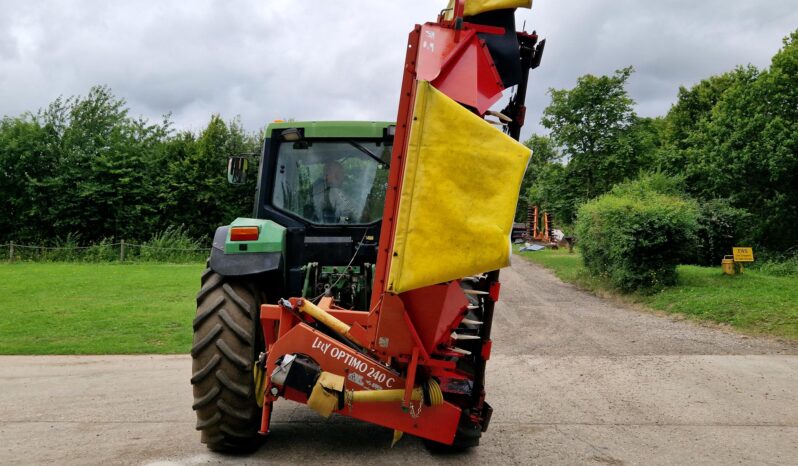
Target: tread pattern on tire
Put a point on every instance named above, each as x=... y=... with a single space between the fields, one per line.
x=225 y=332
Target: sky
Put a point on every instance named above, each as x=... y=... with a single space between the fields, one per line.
x=323 y=60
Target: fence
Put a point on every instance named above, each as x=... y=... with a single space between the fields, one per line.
x=120 y=251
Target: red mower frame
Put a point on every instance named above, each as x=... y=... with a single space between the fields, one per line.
x=404 y=340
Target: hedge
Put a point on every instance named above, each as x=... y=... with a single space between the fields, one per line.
x=637 y=234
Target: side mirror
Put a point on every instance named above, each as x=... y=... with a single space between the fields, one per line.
x=237 y=169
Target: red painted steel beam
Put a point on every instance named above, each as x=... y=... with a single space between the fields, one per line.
x=396 y=173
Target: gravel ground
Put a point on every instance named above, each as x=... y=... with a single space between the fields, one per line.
x=573 y=380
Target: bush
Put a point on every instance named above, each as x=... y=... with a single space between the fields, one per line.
x=781 y=268
x=103 y=251
x=780 y=265
x=719 y=229
x=650 y=183
x=172 y=245
x=65 y=250
x=636 y=235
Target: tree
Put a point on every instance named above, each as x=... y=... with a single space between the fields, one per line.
x=84 y=168
x=543 y=154
x=745 y=147
x=198 y=195
x=553 y=192
x=24 y=159
x=687 y=118
x=600 y=139
x=587 y=123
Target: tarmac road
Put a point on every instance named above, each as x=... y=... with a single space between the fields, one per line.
x=573 y=380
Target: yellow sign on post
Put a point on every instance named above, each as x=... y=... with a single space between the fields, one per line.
x=743 y=254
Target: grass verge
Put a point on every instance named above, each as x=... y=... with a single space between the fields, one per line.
x=754 y=302
x=76 y=308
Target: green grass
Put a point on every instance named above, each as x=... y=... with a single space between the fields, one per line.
x=76 y=308
x=754 y=302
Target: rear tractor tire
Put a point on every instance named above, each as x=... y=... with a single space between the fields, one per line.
x=226 y=339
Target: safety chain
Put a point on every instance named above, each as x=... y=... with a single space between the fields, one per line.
x=413 y=413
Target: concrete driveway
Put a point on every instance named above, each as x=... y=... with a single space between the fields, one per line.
x=573 y=380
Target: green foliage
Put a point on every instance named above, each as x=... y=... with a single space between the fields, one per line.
x=735 y=136
x=198 y=194
x=101 y=251
x=694 y=107
x=732 y=137
x=587 y=121
x=544 y=155
x=172 y=245
x=635 y=236
x=84 y=167
x=601 y=140
x=782 y=267
x=543 y=151
x=720 y=228
x=65 y=250
x=554 y=192
x=651 y=183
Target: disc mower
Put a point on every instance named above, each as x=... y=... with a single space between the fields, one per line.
x=364 y=284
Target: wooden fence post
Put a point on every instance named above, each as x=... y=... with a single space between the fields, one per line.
x=11 y=251
x=122 y=251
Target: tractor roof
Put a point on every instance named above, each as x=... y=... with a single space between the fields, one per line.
x=334 y=129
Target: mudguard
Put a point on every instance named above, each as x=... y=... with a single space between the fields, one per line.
x=238 y=258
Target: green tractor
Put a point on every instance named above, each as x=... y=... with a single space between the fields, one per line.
x=314 y=232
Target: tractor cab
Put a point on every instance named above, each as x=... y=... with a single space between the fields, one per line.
x=321 y=191
x=331 y=183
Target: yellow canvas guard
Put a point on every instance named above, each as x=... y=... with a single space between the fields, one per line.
x=458 y=198
x=324 y=397
x=475 y=7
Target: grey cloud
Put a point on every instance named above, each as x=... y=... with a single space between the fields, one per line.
x=670 y=43
x=343 y=60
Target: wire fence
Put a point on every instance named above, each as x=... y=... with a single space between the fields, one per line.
x=104 y=251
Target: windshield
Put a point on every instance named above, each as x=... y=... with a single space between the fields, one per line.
x=332 y=182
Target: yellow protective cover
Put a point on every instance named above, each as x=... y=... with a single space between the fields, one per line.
x=475 y=7
x=324 y=397
x=458 y=198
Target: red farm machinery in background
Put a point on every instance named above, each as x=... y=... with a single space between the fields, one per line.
x=534 y=232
